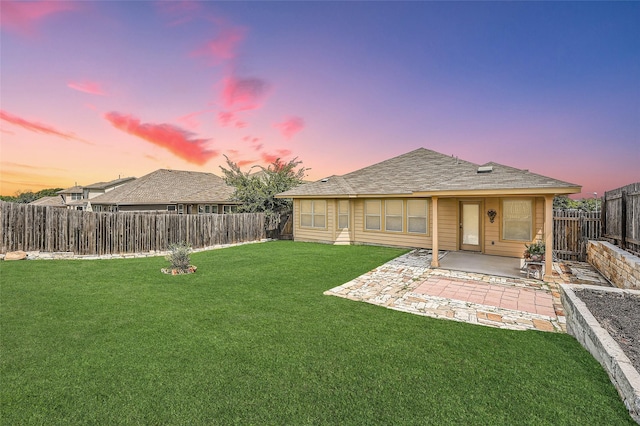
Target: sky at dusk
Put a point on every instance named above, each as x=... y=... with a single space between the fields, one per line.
x=93 y=91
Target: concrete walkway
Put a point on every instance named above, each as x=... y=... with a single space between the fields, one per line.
x=407 y=284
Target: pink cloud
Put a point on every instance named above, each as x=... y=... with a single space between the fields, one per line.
x=178 y=141
x=90 y=87
x=36 y=127
x=224 y=46
x=242 y=94
x=290 y=126
x=253 y=142
x=22 y=16
x=226 y=118
x=190 y=121
x=270 y=158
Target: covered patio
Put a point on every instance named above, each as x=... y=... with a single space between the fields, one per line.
x=482 y=264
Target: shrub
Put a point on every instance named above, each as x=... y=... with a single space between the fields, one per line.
x=179 y=256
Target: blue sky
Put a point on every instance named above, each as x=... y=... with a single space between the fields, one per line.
x=95 y=90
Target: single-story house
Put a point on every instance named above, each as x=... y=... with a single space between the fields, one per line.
x=77 y=197
x=173 y=191
x=430 y=200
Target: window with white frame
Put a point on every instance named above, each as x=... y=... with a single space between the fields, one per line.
x=171 y=208
x=226 y=209
x=417 y=216
x=313 y=213
x=180 y=208
x=343 y=214
x=393 y=213
x=372 y=215
x=517 y=219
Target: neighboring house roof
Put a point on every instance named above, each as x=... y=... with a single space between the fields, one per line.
x=105 y=185
x=169 y=187
x=73 y=190
x=54 y=201
x=429 y=172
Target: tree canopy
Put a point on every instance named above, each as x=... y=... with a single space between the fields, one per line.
x=256 y=191
x=26 y=197
x=562 y=202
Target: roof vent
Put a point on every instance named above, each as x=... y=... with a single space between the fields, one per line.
x=325 y=180
x=485 y=169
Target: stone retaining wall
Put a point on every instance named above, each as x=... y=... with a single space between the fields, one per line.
x=582 y=325
x=621 y=268
x=41 y=255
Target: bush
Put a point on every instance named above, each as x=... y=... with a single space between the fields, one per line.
x=179 y=256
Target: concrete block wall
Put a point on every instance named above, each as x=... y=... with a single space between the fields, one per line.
x=620 y=267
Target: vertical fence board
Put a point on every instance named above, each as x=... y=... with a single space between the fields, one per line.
x=49 y=229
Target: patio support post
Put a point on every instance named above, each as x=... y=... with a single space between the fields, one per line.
x=434 y=233
x=548 y=235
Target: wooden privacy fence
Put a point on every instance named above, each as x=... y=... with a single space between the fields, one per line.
x=571 y=231
x=621 y=217
x=38 y=228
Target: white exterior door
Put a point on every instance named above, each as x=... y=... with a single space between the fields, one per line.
x=470 y=226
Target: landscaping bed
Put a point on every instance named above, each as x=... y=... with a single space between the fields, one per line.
x=619 y=314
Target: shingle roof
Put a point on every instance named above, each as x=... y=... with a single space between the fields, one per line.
x=73 y=190
x=54 y=201
x=169 y=186
x=105 y=185
x=424 y=170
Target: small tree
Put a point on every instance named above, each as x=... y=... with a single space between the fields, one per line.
x=257 y=191
x=179 y=256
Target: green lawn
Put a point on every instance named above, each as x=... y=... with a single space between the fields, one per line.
x=250 y=339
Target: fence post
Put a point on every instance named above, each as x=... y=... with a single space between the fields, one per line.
x=623 y=220
x=603 y=215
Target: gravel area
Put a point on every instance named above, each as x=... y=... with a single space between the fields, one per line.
x=619 y=314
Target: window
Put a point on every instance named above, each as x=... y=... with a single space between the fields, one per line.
x=227 y=209
x=313 y=213
x=372 y=212
x=180 y=208
x=517 y=220
x=417 y=216
x=214 y=209
x=75 y=197
x=393 y=215
x=343 y=214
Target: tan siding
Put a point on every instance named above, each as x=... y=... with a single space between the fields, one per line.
x=492 y=230
x=309 y=234
x=400 y=239
x=448 y=226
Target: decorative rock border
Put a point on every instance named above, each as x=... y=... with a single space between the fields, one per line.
x=67 y=255
x=582 y=325
x=190 y=270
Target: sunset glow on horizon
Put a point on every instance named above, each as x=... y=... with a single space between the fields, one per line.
x=93 y=91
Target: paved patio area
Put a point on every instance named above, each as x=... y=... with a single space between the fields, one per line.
x=408 y=284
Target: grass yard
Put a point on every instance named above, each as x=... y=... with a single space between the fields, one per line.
x=250 y=339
